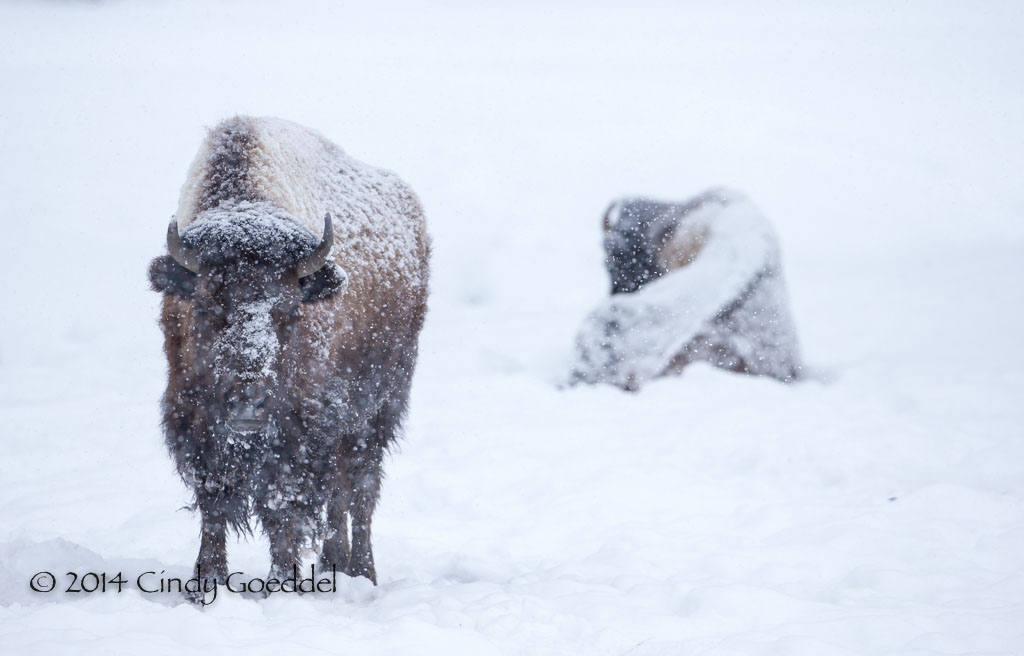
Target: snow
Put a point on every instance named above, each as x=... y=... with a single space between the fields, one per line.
x=875 y=508
x=260 y=229
x=629 y=339
x=250 y=339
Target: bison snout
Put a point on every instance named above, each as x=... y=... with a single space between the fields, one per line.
x=247 y=410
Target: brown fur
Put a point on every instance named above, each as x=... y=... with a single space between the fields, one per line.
x=338 y=388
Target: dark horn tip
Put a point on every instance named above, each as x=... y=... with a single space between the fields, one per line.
x=178 y=250
x=318 y=258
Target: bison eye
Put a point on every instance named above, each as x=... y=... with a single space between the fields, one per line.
x=207 y=310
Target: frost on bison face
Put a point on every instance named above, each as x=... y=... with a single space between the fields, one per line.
x=294 y=293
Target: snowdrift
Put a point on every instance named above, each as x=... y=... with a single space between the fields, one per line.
x=728 y=307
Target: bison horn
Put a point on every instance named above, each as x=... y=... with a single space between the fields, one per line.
x=181 y=253
x=318 y=258
x=610 y=216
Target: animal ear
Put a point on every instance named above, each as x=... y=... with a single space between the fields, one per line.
x=168 y=277
x=326 y=282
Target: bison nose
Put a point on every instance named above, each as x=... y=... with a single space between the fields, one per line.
x=247 y=411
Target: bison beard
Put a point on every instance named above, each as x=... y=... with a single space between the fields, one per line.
x=286 y=385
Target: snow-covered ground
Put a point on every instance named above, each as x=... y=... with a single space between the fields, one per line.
x=877 y=508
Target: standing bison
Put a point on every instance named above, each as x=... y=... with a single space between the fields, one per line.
x=294 y=290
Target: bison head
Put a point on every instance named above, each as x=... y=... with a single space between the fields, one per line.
x=248 y=275
x=635 y=232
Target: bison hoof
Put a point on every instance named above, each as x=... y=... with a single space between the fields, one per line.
x=365 y=570
x=199 y=597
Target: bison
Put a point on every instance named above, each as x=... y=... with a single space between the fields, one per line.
x=294 y=292
x=699 y=280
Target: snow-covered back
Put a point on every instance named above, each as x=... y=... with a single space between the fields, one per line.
x=629 y=339
x=295 y=172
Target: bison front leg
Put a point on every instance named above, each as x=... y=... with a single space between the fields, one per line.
x=363 y=473
x=286 y=528
x=212 y=561
x=213 y=557
x=335 y=551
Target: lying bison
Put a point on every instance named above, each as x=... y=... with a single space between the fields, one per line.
x=294 y=290
x=694 y=281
